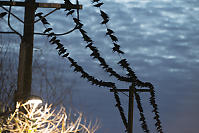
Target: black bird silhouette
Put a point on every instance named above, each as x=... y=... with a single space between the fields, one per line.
x=89 y=45
x=116 y=45
x=109 y=32
x=95 y=1
x=86 y=38
x=2 y=14
x=77 y=21
x=47 y=30
x=44 y=21
x=123 y=63
x=38 y=14
x=105 y=21
x=113 y=38
x=70 y=12
x=56 y=41
x=51 y=34
x=117 y=48
x=82 y=31
x=95 y=55
x=65 y=55
x=62 y=51
x=99 y=4
x=59 y=46
x=67 y=2
x=53 y=39
x=104 y=15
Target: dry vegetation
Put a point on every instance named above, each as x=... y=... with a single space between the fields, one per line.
x=35 y=118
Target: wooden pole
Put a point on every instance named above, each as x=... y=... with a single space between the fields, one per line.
x=130 y=111
x=26 y=52
x=131 y=103
x=26 y=46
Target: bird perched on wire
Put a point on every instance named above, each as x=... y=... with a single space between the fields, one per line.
x=67 y=2
x=38 y=14
x=99 y=4
x=93 y=1
x=70 y=12
x=2 y=14
x=44 y=21
x=47 y=30
x=109 y=32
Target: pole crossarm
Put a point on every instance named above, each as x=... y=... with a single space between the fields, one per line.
x=127 y=90
x=131 y=103
x=42 y=5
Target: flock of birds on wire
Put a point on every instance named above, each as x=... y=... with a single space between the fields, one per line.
x=131 y=77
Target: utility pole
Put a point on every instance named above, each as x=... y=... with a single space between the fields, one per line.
x=26 y=51
x=130 y=111
x=26 y=46
x=131 y=103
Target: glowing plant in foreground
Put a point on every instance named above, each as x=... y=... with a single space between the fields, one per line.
x=32 y=117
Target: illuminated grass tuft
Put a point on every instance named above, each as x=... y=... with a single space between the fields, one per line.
x=35 y=118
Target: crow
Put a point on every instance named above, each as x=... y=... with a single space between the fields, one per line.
x=47 y=30
x=117 y=48
x=89 y=45
x=109 y=32
x=59 y=46
x=104 y=15
x=113 y=38
x=99 y=4
x=67 y=2
x=105 y=21
x=65 y=55
x=77 y=21
x=62 y=51
x=2 y=14
x=82 y=31
x=95 y=55
x=95 y=1
x=38 y=14
x=70 y=12
x=56 y=41
x=51 y=34
x=123 y=63
x=53 y=39
x=86 y=38
x=44 y=21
